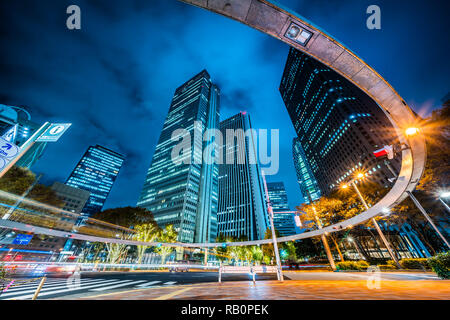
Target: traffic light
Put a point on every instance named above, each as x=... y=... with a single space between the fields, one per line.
x=224 y=245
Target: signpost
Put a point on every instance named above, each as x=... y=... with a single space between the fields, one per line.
x=54 y=132
x=10 y=153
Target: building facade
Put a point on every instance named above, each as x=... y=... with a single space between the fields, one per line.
x=181 y=188
x=283 y=221
x=242 y=210
x=16 y=127
x=305 y=177
x=338 y=125
x=74 y=198
x=96 y=173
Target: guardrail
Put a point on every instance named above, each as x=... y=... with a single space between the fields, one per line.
x=253 y=270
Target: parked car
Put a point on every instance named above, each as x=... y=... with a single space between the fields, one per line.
x=179 y=266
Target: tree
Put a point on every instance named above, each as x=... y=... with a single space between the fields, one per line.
x=127 y=217
x=166 y=235
x=147 y=233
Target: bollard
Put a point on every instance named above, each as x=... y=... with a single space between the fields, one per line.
x=39 y=288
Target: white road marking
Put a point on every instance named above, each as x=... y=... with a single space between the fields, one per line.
x=118 y=286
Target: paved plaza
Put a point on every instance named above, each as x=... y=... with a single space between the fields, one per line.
x=301 y=286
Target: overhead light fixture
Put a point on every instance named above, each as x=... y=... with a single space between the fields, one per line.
x=298 y=34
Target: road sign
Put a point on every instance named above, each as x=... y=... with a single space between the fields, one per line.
x=23 y=239
x=11 y=134
x=54 y=132
x=8 y=149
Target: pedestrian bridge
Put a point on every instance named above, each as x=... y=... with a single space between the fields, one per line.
x=296 y=31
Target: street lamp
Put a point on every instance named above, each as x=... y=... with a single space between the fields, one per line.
x=360 y=175
x=411 y=131
x=444 y=195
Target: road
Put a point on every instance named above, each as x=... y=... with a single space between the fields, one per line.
x=96 y=283
x=104 y=282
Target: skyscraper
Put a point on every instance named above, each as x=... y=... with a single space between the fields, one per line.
x=283 y=222
x=185 y=194
x=17 y=122
x=305 y=177
x=96 y=173
x=337 y=124
x=242 y=210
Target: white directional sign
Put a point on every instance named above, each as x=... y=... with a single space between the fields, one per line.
x=11 y=134
x=8 y=149
x=2 y=163
x=54 y=132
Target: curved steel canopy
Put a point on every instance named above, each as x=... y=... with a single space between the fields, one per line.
x=276 y=22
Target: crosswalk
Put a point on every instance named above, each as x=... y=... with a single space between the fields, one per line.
x=60 y=287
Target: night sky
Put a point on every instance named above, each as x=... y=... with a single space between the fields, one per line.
x=114 y=78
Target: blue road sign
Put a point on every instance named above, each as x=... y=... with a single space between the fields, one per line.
x=54 y=132
x=8 y=149
x=23 y=239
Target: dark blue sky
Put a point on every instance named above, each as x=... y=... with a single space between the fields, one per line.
x=115 y=78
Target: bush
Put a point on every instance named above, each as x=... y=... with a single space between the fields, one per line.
x=392 y=264
x=387 y=267
x=352 y=265
x=440 y=264
x=420 y=263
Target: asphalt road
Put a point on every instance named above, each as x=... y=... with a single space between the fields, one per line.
x=93 y=283
x=105 y=282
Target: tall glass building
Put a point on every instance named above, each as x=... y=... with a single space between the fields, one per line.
x=242 y=209
x=282 y=221
x=185 y=194
x=96 y=173
x=338 y=126
x=305 y=177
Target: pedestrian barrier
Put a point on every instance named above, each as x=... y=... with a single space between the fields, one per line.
x=253 y=270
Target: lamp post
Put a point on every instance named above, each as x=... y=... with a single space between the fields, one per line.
x=375 y=223
x=422 y=209
x=322 y=236
x=274 y=237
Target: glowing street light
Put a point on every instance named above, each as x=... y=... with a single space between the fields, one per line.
x=444 y=195
x=411 y=131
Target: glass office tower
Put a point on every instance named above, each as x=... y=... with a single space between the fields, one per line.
x=283 y=222
x=305 y=177
x=338 y=125
x=96 y=173
x=242 y=209
x=185 y=194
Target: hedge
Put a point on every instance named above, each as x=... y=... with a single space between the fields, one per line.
x=352 y=265
x=440 y=264
x=386 y=267
x=420 y=263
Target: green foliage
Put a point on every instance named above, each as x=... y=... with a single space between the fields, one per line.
x=352 y=265
x=17 y=180
x=440 y=264
x=3 y=272
x=420 y=263
x=386 y=267
x=166 y=235
x=126 y=217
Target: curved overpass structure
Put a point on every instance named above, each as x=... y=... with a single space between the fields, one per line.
x=297 y=32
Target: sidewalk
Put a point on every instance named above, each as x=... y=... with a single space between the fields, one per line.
x=290 y=290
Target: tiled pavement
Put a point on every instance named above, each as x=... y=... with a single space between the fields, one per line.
x=291 y=290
